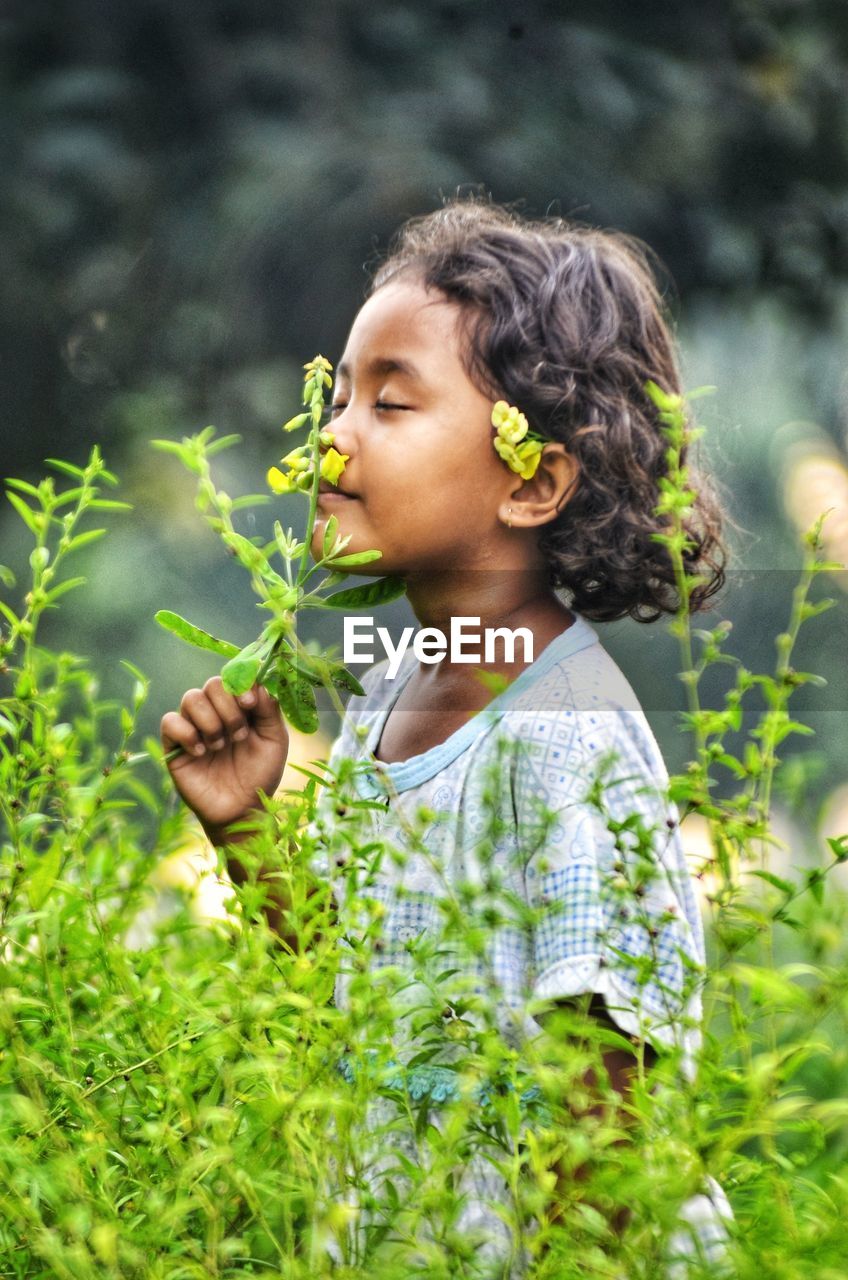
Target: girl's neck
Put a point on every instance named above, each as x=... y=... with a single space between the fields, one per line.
x=498 y=598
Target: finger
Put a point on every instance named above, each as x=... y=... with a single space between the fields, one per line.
x=196 y=707
x=231 y=714
x=176 y=731
x=265 y=714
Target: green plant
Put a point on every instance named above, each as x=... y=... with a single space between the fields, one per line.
x=180 y=1099
x=277 y=660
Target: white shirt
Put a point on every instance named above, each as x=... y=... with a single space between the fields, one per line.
x=518 y=806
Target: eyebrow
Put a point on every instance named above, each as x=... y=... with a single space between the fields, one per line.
x=381 y=366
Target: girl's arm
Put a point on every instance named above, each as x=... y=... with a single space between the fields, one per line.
x=231 y=750
x=620 y=1066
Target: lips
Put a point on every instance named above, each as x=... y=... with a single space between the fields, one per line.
x=325 y=490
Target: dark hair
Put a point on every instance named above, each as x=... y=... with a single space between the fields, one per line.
x=566 y=322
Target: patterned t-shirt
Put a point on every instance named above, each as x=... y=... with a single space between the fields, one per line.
x=554 y=794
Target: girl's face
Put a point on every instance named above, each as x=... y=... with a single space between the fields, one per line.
x=423 y=483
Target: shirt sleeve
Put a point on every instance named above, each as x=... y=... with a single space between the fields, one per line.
x=604 y=874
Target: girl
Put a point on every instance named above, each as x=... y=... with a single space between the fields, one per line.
x=548 y=332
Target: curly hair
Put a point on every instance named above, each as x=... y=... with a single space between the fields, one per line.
x=566 y=321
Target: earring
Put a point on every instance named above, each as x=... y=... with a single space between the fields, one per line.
x=509 y=513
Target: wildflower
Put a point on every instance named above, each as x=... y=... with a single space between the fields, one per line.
x=319 y=362
x=518 y=446
x=523 y=458
x=298 y=459
x=278 y=483
x=319 y=370
x=300 y=476
x=333 y=464
x=511 y=424
x=293 y=424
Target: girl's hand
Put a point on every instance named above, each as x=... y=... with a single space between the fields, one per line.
x=232 y=749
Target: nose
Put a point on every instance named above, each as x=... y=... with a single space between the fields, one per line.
x=341 y=427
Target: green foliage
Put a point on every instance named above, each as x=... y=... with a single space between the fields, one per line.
x=180 y=1098
x=277 y=660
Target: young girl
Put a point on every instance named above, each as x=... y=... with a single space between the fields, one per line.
x=476 y=318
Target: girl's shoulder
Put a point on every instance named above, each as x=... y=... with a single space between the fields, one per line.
x=581 y=710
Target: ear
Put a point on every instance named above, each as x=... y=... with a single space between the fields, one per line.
x=541 y=499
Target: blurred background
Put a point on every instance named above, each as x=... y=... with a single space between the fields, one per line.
x=193 y=191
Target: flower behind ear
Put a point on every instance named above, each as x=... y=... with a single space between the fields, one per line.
x=518 y=446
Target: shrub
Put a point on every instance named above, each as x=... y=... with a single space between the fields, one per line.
x=180 y=1098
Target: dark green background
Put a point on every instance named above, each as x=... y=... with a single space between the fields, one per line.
x=192 y=192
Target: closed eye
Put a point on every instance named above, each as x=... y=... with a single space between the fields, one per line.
x=383 y=405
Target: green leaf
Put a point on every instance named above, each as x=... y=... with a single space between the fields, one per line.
x=32 y=822
x=811 y=609
x=329 y=534
x=225 y=442
x=379 y=592
x=68 y=585
x=344 y=679
x=24 y=487
x=314 y=667
x=815 y=883
x=784 y=885
x=251 y=500
x=33 y=520
x=321 y=671
x=195 y=635
x=356 y=557
x=839 y=847
x=239 y=674
x=295 y=695
x=7 y=576
x=83 y=539
x=170 y=446
x=69 y=496
x=42 y=880
x=247 y=552
x=67 y=467
x=141 y=680
x=109 y=504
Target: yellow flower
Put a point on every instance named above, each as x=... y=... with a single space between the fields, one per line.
x=333 y=464
x=518 y=446
x=298 y=459
x=499 y=412
x=523 y=458
x=506 y=451
x=296 y=422
x=278 y=483
x=529 y=454
x=510 y=422
x=319 y=370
